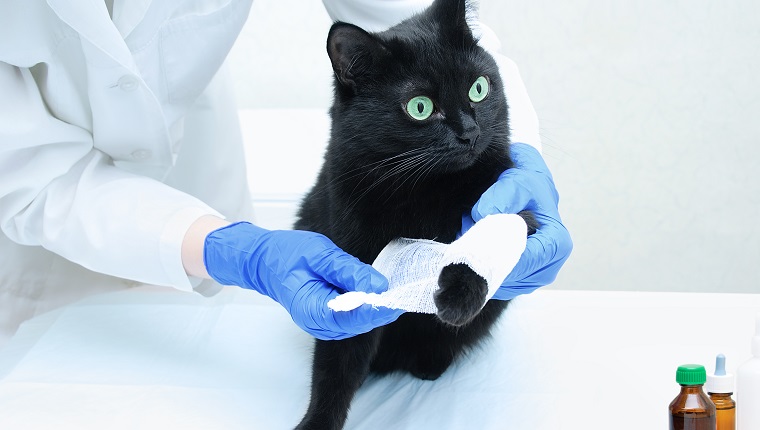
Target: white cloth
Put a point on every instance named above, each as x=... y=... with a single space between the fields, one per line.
x=491 y=248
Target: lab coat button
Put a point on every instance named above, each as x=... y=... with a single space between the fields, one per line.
x=141 y=154
x=128 y=83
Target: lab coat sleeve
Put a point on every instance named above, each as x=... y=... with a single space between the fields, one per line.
x=523 y=120
x=59 y=192
x=379 y=15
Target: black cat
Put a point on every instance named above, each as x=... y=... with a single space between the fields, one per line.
x=419 y=132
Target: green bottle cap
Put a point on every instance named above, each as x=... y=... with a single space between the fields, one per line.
x=691 y=374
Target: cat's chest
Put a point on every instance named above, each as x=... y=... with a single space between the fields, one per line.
x=433 y=214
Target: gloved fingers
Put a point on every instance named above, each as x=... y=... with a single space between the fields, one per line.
x=348 y=273
x=310 y=312
x=545 y=252
x=467 y=223
x=509 y=292
x=365 y=318
x=511 y=193
x=326 y=324
x=517 y=190
x=539 y=252
x=527 y=157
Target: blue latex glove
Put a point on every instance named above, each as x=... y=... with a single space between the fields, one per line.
x=302 y=271
x=527 y=186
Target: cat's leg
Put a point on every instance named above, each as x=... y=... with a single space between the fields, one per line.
x=452 y=342
x=412 y=344
x=339 y=368
x=425 y=347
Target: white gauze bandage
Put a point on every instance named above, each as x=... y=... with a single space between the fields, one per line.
x=491 y=248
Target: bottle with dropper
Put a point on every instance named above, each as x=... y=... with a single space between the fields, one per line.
x=720 y=386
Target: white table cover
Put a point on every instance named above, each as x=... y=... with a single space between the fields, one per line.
x=155 y=358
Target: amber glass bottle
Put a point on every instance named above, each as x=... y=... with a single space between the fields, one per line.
x=692 y=409
x=720 y=386
x=725 y=410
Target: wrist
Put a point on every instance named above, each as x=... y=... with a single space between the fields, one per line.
x=232 y=253
x=194 y=242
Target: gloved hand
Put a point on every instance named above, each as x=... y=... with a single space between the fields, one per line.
x=527 y=186
x=302 y=271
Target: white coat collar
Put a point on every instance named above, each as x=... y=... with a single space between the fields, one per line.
x=127 y=14
x=90 y=19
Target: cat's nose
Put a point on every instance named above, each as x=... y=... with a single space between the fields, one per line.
x=469 y=136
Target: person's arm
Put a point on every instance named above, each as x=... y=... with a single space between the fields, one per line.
x=60 y=192
x=193 y=244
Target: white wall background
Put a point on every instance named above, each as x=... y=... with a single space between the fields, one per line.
x=650 y=115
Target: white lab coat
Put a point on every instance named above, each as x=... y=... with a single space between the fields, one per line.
x=116 y=134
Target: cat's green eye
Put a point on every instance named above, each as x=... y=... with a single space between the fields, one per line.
x=420 y=108
x=479 y=90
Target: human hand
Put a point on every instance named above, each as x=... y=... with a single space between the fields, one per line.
x=302 y=271
x=527 y=186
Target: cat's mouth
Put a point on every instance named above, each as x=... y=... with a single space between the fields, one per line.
x=464 y=156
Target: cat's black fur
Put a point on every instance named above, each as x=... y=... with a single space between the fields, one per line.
x=387 y=175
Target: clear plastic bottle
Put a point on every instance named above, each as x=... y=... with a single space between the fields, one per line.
x=692 y=409
x=720 y=386
x=748 y=387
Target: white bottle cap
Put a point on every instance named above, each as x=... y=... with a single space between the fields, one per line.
x=720 y=381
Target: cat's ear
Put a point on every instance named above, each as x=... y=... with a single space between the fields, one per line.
x=354 y=53
x=454 y=16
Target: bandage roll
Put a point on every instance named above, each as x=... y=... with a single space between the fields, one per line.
x=492 y=248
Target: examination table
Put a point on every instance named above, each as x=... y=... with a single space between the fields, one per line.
x=156 y=358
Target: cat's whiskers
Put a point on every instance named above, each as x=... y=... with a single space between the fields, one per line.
x=380 y=163
x=417 y=174
x=399 y=168
x=403 y=177
x=362 y=169
x=399 y=162
x=398 y=171
x=425 y=172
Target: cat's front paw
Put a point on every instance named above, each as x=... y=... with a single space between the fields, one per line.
x=431 y=364
x=461 y=294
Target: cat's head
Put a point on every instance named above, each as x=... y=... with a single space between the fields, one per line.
x=423 y=86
